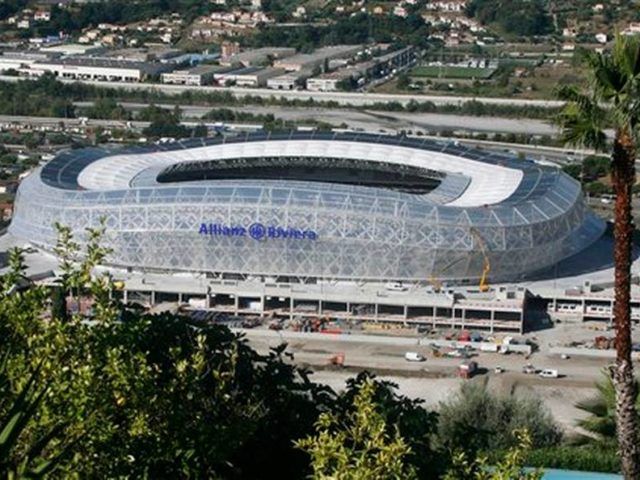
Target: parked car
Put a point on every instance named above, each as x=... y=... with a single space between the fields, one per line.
x=529 y=369
x=498 y=369
x=414 y=357
x=548 y=373
x=395 y=286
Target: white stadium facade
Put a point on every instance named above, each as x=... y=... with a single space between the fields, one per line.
x=312 y=205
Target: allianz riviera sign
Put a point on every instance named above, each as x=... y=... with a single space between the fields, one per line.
x=256 y=231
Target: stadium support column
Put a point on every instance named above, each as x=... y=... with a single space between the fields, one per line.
x=493 y=317
x=521 y=321
x=125 y=296
x=291 y=309
x=236 y=304
x=153 y=298
x=611 y=302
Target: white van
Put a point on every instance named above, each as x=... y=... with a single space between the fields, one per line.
x=414 y=357
x=548 y=373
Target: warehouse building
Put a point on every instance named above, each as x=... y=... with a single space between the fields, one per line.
x=196 y=76
x=247 y=77
x=97 y=69
x=317 y=59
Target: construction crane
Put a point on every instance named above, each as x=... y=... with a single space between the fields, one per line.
x=435 y=281
x=486 y=267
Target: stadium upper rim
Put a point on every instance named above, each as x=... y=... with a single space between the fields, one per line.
x=468 y=177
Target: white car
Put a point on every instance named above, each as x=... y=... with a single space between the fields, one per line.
x=395 y=287
x=548 y=373
x=414 y=357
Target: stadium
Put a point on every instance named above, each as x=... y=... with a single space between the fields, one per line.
x=312 y=205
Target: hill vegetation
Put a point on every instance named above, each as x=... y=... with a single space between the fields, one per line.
x=122 y=393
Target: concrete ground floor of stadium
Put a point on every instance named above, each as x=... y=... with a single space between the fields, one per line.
x=502 y=309
x=577 y=289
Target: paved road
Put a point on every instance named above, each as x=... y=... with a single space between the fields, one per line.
x=343 y=98
x=553 y=154
x=380 y=354
x=372 y=120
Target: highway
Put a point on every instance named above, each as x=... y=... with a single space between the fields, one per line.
x=372 y=120
x=342 y=98
x=373 y=124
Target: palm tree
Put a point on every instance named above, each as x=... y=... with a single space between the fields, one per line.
x=612 y=100
x=601 y=422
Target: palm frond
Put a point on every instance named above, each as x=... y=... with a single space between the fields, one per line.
x=582 y=121
x=626 y=54
x=607 y=81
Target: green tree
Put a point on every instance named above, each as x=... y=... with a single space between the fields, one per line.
x=511 y=467
x=163 y=122
x=611 y=100
x=150 y=395
x=108 y=108
x=34 y=461
x=359 y=448
x=403 y=81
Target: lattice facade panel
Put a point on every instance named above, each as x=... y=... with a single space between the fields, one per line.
x=359 y=232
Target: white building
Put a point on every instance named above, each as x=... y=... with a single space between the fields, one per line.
x=447 y=5
x=69 y=49
x=299 y=12
x=101 y=70
x=42 y=16
x=247 y=77
x=601 y=37
x=201 y=75
x=310 y=61
x=400 y=11
x=288 y=81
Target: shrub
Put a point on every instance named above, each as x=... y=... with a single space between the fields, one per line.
x=477 y=420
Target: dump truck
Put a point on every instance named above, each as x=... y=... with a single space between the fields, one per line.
x=467 y=369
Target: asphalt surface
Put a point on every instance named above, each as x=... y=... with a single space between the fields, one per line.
x=372 y=120
x=344 y=98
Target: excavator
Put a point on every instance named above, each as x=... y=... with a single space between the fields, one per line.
x=486 y=266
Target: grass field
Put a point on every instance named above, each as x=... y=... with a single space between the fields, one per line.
x=452 y=72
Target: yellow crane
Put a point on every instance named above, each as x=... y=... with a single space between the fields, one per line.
x=435 y=282
x=486 y=267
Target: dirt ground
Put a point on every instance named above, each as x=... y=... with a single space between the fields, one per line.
x=435 y=380
x=560 y=400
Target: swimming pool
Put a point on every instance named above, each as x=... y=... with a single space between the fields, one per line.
x=551 y=474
